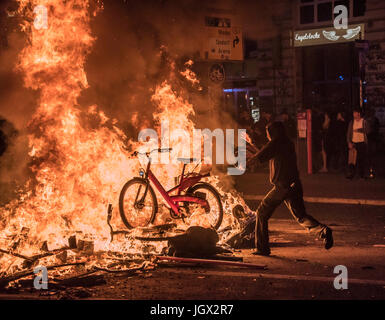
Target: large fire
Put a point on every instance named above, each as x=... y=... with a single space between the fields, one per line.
x=79 y=158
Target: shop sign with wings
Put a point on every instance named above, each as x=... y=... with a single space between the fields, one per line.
x=328 y=35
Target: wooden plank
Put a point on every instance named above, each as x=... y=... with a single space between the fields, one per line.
x=215 y=262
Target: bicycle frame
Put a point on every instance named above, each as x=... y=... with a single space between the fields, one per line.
x=184 y=183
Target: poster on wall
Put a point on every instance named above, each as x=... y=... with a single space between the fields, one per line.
x=301 y=124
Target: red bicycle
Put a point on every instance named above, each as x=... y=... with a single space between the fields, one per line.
x=138 y=205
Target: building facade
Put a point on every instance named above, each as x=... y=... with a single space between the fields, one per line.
x=306 y=62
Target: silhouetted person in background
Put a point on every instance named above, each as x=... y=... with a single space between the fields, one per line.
x=331 y=143
x=341 y=128
x=316 y=127
x=284 y=175
x=357 y=138
x=289 y=124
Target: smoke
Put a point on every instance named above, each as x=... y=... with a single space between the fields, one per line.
x=17 y=105
x=138 y=45
x=127 y=62
x=261 y=20
x=141 y=44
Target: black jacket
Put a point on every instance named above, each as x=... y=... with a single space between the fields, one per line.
x=280 y=152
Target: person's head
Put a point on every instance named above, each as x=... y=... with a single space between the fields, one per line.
x=275 y=130
x=357 y=114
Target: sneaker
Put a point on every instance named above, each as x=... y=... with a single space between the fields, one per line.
x=328 y=239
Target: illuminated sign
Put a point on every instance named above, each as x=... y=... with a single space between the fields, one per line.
x=315 y=37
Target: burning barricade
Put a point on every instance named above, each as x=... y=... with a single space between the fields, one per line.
x=80 y=163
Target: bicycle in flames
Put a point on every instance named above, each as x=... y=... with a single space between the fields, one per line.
x=138 y=204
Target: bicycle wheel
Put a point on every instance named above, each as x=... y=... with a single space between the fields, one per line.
x=135 y=210
x=207 y=191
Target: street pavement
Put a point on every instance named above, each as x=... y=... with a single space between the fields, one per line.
x=318 y=185
x=298 y=268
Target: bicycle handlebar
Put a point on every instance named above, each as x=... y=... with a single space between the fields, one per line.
x=148 y=153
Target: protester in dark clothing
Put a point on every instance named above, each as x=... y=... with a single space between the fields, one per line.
x=357 y=138
x=331 y=143
x=316 y=127
x=284 y=176
x=289 y=124
x=324 y=142
x=341 y=149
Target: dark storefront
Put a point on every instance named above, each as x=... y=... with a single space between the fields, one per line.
x=239 y=97
x=331 y=76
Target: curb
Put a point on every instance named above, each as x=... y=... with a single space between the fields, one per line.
x=366 y=202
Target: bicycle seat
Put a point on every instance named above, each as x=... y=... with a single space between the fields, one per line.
x=187 y=160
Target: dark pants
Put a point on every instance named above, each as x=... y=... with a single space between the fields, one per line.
x=362 y=157
x=293 y=198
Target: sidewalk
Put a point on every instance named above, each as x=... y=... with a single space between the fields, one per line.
x=322 y=188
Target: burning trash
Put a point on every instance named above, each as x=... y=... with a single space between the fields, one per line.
x=81 y=161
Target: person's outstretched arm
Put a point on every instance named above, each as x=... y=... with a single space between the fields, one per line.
x=266 y=153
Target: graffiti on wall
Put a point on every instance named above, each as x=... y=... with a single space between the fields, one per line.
x=375 y=74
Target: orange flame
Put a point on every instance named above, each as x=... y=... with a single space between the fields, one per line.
x=78 y=158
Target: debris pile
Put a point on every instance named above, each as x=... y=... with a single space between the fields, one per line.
x=77 y=265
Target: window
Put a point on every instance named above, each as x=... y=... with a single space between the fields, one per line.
x=314 y=11
x=307 y=14
x=359 y=8
x=324 y=11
